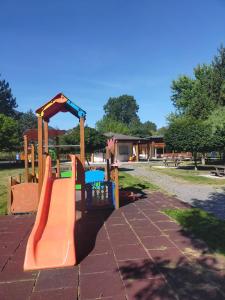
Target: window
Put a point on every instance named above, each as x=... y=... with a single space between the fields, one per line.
x=124 y=150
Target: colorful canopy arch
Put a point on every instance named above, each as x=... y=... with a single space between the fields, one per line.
x=60 y=103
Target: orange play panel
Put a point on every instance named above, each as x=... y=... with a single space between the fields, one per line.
x=51 y=242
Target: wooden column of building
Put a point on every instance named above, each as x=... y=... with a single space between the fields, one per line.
x=82 y=159
x=26 y=167
x=137 y=152
x=40 y=155
x=148 y=151
x=32 y=160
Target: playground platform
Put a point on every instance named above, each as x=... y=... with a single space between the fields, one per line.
x=135 y=252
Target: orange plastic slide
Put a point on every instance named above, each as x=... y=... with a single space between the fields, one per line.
x=51 y=242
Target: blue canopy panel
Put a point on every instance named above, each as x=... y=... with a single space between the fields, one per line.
x=75 y=110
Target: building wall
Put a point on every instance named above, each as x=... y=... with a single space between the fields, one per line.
x=124 y=150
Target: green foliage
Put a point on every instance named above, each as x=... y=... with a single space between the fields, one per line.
x=27 y=120
x=218 y=79
x=7 y=101
x=107 y=124
x=8 y=133
x=142 y=129
x=123 y=109
x=94 y=140
x=187 y=134
x=121 y=117
x=203 y=225
x=161 y=131
x=198 y=124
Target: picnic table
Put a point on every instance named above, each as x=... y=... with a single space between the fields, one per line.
x=172 y=162
x=219 y=170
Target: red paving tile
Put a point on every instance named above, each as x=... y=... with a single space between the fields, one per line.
x=57 y=279
x=169 y=256
x=20 y=290
x=138 y=269
x=123 y=239
x=150 y=230
x=57 y=294
x=98 y=263
x=13 y=271
x=146 y=289
x=125 y=252
x=101 y=285
x=168 y=225
x=157 y=242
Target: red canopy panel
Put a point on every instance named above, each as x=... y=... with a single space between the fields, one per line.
x=32 y=134
x=52 y=107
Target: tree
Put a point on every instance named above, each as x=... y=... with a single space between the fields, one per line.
x=27 y=120
x=7 y=101
x=107 y=124
x=191 y=97
x=145 y=129
x=8 y=133
x=123 y=109
x=162 y=130
x=218 y=79
x=94 y=140
x=188 y=134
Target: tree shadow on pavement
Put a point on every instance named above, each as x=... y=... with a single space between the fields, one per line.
x=164 y=279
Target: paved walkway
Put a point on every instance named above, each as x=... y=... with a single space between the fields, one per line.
x=210 y=198
x=136 y=252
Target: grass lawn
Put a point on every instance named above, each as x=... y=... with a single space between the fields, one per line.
x=134 y=183
x=203 y=225
x=4 y=174
x=190 y=176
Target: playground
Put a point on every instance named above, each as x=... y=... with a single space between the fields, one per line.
x=76 y=232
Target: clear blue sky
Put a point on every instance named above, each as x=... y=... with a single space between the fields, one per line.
x=94 y=49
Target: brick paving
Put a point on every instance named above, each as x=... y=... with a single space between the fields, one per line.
x=136 y=252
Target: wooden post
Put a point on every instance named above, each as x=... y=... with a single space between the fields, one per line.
x=46 y=136
x=82 y=142
x=26 y=170
x=32 y=160
x=115 y=153
x=116 y=174
x=82 y=159
x=9 y=200
x=57 y=168
x=40 y=155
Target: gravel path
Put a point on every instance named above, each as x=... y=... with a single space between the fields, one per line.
x=207 y=197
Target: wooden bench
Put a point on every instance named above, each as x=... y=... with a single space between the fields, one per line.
x=219 y=171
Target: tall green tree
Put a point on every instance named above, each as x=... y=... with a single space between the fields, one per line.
x=123 y=109
x=9 y=138
x=7 y=101
x=188 y=134
x=94 y=140
x=27 y=120
x=218 y=79
x=107 y=124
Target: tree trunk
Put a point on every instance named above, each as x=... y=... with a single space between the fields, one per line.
x=203 y=159
x=195 y=161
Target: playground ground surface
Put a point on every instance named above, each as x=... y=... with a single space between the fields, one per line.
x=135 y=252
